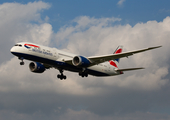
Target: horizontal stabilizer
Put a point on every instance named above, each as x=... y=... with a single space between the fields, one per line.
x=129 y=69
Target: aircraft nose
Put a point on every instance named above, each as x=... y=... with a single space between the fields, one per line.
x=12 y=50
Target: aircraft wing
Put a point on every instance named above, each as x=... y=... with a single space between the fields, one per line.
x=99 y=59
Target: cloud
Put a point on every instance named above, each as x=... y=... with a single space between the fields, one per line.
x=82 y=24
x=15 y=21
x=134 y=95
x=86 y=115
x=83 y=115
x=40 y=34
x=120 y=3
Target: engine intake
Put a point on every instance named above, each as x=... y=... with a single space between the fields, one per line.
x=80 y=61
x=36 y=67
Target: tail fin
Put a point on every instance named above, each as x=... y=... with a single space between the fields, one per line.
x=118 y=50
x=116 y=61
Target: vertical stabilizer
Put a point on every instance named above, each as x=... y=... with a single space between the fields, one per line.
x=116 y=61
x=118 y=50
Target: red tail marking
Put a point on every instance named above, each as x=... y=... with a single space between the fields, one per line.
x=118 y=51
x=113 y=63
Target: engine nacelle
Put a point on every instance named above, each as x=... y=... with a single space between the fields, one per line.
x=80 y=61
x=36 y=67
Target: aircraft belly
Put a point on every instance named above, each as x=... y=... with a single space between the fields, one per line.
x=102 y=71
x=97 y=70
x=93 y=70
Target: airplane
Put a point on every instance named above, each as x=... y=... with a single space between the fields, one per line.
x=43 y=58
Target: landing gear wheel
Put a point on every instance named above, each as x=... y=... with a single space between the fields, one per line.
x=64 y=77
x=58 y=76
x=61 y=77
x=86 y=75
x=83 y=74
x=22 y=63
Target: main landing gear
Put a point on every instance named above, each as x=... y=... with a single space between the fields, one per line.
x=22 y=62
x=83 y=73
x=61 y=77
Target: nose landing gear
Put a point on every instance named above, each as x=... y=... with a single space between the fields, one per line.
x=22 y=62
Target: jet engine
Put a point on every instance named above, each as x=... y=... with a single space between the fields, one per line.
x=36 y=67
x=81 y=61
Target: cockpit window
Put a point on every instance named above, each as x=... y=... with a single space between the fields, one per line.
x=18 y=45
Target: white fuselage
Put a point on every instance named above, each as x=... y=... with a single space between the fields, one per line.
x=56 y=58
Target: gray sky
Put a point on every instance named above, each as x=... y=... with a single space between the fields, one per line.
x=136 y=95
